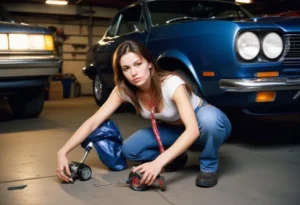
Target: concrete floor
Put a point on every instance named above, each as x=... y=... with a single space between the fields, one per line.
x=262 y=167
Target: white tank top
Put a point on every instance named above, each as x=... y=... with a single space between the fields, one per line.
x=170 y=111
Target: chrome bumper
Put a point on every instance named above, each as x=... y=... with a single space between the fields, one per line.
x=29 y=66
x=259 y=84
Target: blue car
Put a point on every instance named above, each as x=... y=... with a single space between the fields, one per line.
x=27 y=60
x=231 y=58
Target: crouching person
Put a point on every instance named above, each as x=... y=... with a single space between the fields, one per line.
x=186 y=119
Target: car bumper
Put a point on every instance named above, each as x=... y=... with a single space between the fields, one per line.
x=29 y=66
x=259 y=84
x=12 y=85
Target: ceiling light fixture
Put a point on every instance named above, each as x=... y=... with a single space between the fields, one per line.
x=57 y=2
x=244 y=1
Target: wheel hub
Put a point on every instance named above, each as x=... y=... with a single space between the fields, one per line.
x=98 y=87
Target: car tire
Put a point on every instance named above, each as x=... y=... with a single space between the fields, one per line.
x=190 y=81
x=28 y=103
x=100 y=92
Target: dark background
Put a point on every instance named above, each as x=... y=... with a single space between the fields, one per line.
x=258 y=7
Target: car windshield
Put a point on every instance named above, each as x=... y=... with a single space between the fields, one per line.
x=164 y=12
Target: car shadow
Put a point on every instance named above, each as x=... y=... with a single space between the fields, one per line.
x=266 y=131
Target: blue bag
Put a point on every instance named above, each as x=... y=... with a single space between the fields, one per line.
x=108 y=141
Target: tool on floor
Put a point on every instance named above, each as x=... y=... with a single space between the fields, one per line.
x=79 y=170
x=135 y=177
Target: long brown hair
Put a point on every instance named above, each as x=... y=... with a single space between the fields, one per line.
x=157 y=75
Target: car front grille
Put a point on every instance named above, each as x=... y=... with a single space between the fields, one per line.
x=292 y=50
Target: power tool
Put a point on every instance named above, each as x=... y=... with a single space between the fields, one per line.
x=135 y=178
x=79 y=170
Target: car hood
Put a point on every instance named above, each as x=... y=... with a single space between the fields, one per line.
x=288 y=24
x=7 y=27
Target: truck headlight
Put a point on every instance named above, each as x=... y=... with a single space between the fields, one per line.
x=18 y=41
x=3 y=42
x=272 y=45
x=23 y=42
x=248 y=45
x=36 y=42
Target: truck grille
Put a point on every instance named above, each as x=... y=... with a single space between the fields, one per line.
x=292 y=50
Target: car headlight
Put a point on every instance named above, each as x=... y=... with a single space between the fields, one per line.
x=18 y=41
x=3 y=42
x=272 y=45
x=248 y=45
x=32 y=42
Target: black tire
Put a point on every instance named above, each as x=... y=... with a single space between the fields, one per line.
x=28 y=103
x=100 y=92
x=188 y=78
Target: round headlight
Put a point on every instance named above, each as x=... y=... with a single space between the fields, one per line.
x=272 y=45
x=248 y=45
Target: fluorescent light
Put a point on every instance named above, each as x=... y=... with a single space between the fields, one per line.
x=57 y=2
x=244 y=1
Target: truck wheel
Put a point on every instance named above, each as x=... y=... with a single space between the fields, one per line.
x=190 y=81
x=28 y=103
x=100 y=92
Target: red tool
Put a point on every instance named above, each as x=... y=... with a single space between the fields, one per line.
x=135 y=178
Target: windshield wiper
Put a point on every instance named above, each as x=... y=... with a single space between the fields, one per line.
x=181 y=19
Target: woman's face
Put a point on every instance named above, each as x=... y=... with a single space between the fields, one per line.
x=135 y=68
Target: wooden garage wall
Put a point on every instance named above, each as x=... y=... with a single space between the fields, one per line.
x=76 y=32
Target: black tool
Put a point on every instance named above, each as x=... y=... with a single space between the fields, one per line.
x=79 y=170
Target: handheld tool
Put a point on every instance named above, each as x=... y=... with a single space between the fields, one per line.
x=79 y=170
x=135 y=178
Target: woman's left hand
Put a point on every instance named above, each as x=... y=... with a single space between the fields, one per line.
x=150 y=171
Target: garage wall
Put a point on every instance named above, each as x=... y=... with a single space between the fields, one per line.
x=75 y=45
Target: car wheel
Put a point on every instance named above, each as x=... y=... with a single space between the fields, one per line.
x=100 y=92
x=28 y=103
x=190 y=81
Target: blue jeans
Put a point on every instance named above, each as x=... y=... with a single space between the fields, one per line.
x=214 y=127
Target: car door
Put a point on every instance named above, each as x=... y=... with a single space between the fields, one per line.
x=129 y=24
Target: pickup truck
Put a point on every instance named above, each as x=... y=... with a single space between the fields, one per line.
x=27 y=60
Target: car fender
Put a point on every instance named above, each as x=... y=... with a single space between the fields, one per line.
x=180 y=56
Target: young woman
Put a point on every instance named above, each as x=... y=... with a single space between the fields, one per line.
x=185 y=120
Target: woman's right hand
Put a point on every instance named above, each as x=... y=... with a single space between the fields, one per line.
x=63 y=167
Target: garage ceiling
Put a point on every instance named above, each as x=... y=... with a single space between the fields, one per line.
x=267 y=6
x=100 y=3
x=122 y=3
